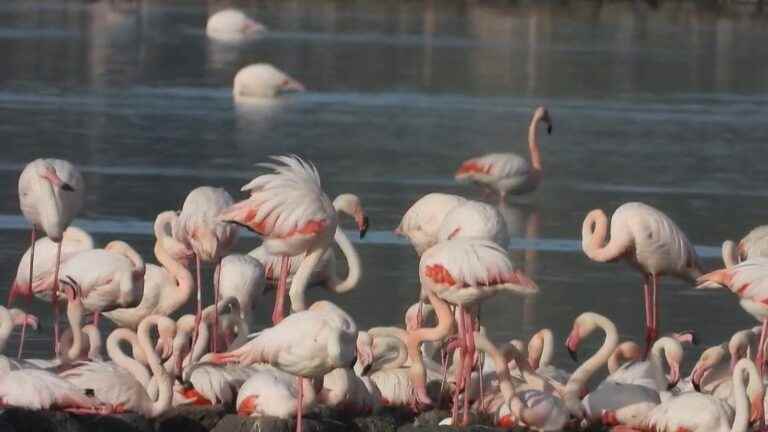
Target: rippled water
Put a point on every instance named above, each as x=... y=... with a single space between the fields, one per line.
x=666 y=105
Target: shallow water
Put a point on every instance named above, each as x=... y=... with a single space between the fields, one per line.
x=665 y=105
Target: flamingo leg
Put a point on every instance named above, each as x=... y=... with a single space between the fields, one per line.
x=648 y=306
x=32 y=239
x=300 y=381
x=96 y=316
x=199 y=299
x=56 y=339
x=469 y=361
x=459 y=375
x=420 y=314
x=278 y=314
x=654 y=330
x=760 y=358
x=216 y=294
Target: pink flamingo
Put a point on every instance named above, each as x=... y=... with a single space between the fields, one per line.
x=74 y=241
x=198 y=228
x=422 y=221
x=508 y=173
x=474 y=219
x=307 y=344
x=650 y=242
x=293 y=214
x=754 y=244
x=749 y=281
x=465 y=272
x=166 y=287
x=272 y=392
x=50 y=196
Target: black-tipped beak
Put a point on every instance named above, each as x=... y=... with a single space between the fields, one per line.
x=573 y=354
x=67 y=187
x=672 y=385
x=366 y=369
x=549 y=129
x=696 y=385
x=352 y=364
x=364 y=228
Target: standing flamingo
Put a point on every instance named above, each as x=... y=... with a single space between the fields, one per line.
x=749 y=281
x=199 y=229
x=754 y=244
x=508 y=173
x=649 y=241
x=421 y=222
x=51 y=194
x=290 y=210
x=308 y=344
x=325 y=271
x=465 y=272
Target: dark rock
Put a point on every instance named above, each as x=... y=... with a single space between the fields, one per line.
x=190 y=419
x=115 y=423
x=401 y=415
x=235 y=423
x=39 y=421
x=6 y=427
x=374 y=424
x=431 y=418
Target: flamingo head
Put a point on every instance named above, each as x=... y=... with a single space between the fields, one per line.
x=19 y=317
x=47 y=172
x=582 y=327
x=350 y=205
x=542 y=114
x=708 y=360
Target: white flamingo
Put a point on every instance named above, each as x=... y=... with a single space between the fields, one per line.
x=262 y=81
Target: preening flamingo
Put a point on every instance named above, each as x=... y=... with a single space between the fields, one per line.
x=241 y=277
x=422 y=221
x=10 y=318
x=290 y=210
x=199 y=229
x=232 y=25
x=749 y=281
x=753 y=245
x=347 y=392
x=650 y=373
x=51 y=194
x=308 y=344
x=474 y=219
x=650 y=242
x=325 y=271
x=465 y=272
x=263 y=81
x=508 y=173
x=166 y=287
x=272 y=392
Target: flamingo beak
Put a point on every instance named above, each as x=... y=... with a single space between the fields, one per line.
x=696 y=376
x=674 y=375
x=53 y=177
x=290 y=84
x=572 y=344
x=549 y=129
x=362 y=223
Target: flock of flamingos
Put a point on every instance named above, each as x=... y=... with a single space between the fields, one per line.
x=317 y=355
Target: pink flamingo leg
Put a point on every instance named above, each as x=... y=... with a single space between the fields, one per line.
x=299 y=400
x=215 y=339
x=469 y=361
x=760 y=358
x=56 y=340
x=278 y=313
x=654 y=329
x=32 y=237
x=198 y=294
x=96 y=316
x=648 y=318
x=460 y=369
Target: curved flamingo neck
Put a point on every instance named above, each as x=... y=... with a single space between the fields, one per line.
x=483 y=344
x=6 y=327
x=354 y=265
x=159 y=373
x=184 y=281
x=594 y=235
x=124 y=249
x=741 y=400
x=730 y=254
x=533 y=144
x=541 y=349
x=123 y=360
x=301 y=278
x=75 y=317
x=626 y=351
x=417 y=371
x=94 y=341
x=582 y=374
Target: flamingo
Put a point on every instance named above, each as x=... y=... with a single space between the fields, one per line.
x=650 y=373
x=464 y=272
x=474 y=219
x=117 y=384
x=754 y=244
x=325 y=271
x=696 y=412
x=712 y=375
x=290 y=210
x=422 y=221
x=273 y=392
x=625 y=352
x=232 y=25
x=541 y=350
x=166 y=287
x=91 y=345
x=198 y=228
x=263 y=81
x=347 y=392
x=612 y=403
x=749 y=281
x=10 y=318
x=38 y=389
x=508 y=173
x=51 y=194
x=649 y=241
x=241 y=277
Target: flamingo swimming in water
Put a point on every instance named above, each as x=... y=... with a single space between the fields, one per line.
x=198 y=228
x=508 y=173
x=465 y=272
x=650 y=242
x=232 y=25
x=290 y=210
x=51 y=194
x=263 y=81
x=753 y=245
x=307 y=344
x=325 y=271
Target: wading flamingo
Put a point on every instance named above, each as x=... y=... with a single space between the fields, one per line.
x=166 y=287
x=51 y=194
x=650 y=242
x=290 y=210
x=422 y=221
x=753 y=245
x=198 y=228
x=263 y=81
x=307 y=344
x=232 y=25
x=325 y=271
x=465 y=272
x=749 y=281
x=508 y=173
